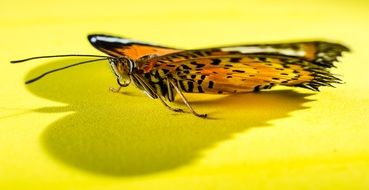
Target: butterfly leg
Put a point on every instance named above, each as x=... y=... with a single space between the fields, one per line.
x=116 y=90
x=149 y=90
x=166 y=105
x=185 y=100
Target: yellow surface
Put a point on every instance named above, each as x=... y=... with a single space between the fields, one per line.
x=68 y=132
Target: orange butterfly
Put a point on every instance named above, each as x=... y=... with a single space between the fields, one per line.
x=162 y=72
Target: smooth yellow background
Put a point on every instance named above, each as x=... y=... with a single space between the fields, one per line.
x=67 y=131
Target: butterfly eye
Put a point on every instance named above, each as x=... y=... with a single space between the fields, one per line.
x=128 y=64
x=125 y=64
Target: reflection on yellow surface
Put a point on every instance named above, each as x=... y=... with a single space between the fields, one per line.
x=67 y=131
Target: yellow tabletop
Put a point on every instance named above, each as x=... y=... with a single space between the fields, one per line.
x=67 y=131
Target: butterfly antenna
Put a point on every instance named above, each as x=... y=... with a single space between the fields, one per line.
x=53 y=56
x=62 y=68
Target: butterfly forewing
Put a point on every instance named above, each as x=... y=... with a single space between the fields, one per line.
x=118 y=47
x=319 y=53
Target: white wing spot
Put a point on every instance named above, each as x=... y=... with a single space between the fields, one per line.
x=113 y=39
x=93 y=39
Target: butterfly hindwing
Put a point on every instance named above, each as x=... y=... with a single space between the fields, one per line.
x=241 y=73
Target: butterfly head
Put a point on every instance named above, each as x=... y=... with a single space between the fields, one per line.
x=122 y=68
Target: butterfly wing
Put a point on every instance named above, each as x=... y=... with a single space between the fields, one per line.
x=235 y=73
x=232 y=69
x=117 y=46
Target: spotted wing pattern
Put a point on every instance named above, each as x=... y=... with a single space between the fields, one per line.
x=118 y=47
x=235 y=73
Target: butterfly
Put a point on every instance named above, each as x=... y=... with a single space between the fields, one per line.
x=163 y=72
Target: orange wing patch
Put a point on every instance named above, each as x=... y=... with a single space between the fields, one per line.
x=136 y=51
x=118 y=47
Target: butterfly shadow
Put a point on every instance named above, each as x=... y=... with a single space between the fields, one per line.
x=131 y=135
